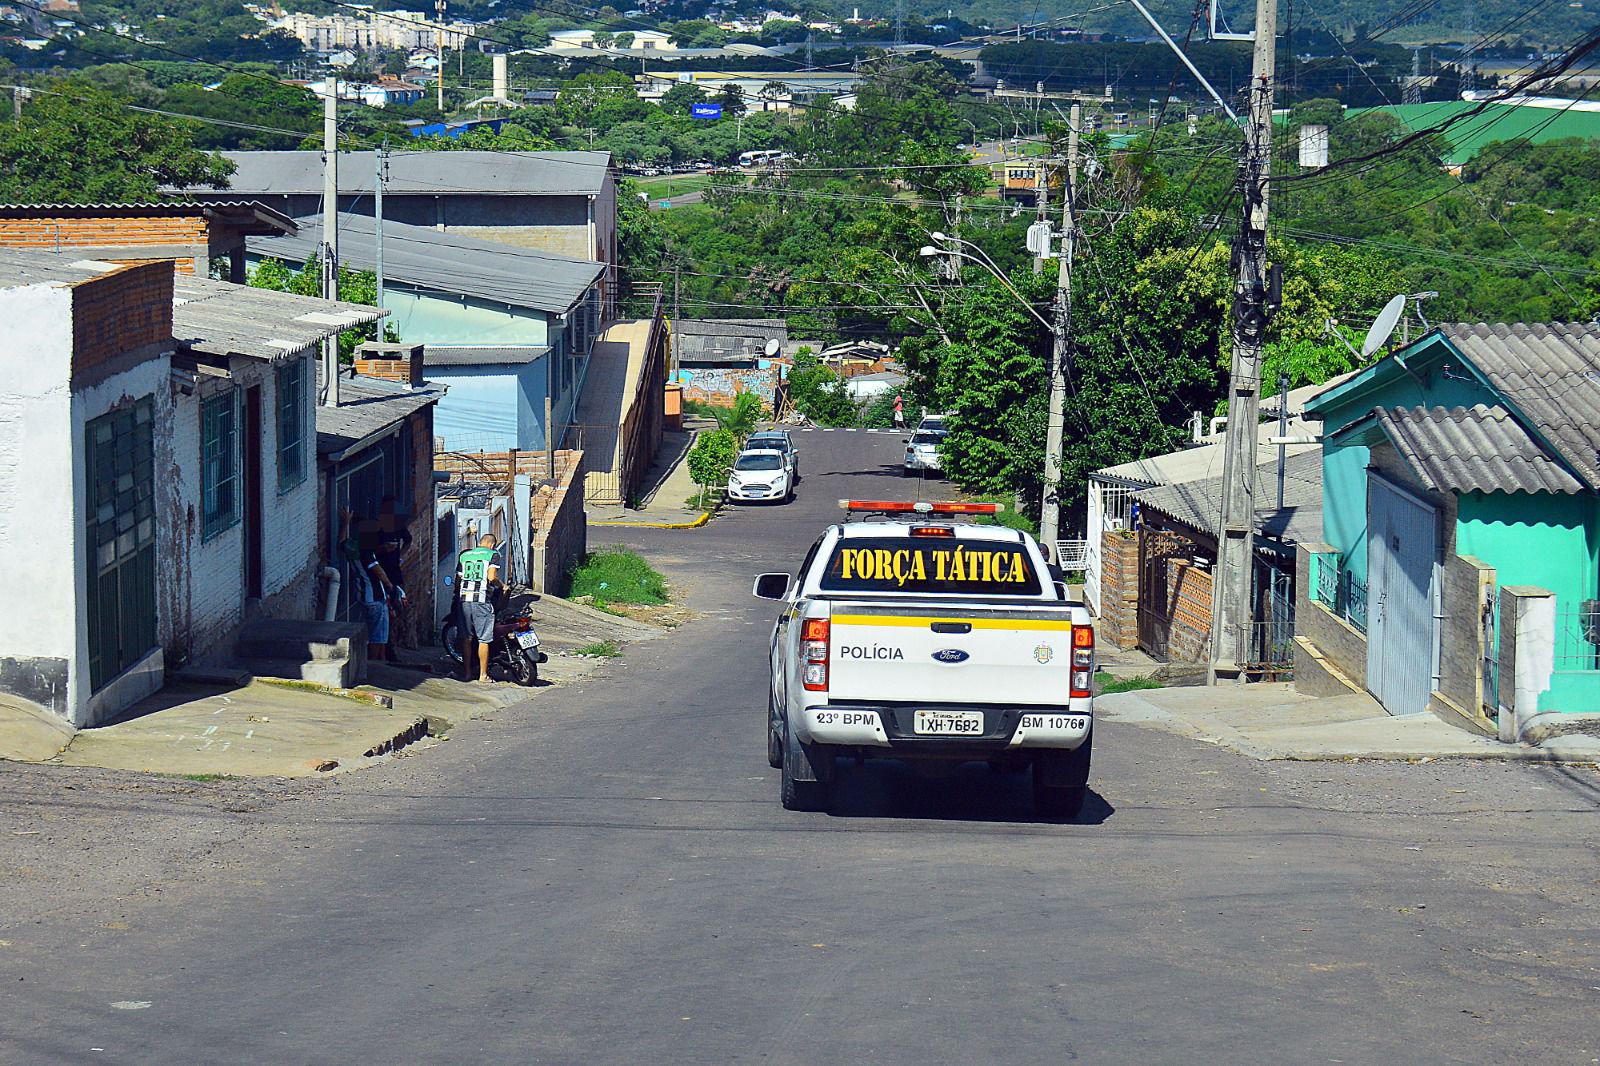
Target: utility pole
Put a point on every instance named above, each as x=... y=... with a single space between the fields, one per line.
x=438 y=46
x=1231 y=598
x=380 y=174
x=1061 y=346
x=19 y=93
x=677 y=309
x=330 y=230
x=1041 y=201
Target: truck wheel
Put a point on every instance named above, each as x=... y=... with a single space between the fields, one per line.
x=1061 y=779
x=799 y=795
x=774 y=738
x=1050 y=802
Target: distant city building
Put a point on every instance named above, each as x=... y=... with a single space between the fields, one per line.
x=402 y=30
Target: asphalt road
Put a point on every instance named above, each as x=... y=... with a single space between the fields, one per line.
x=607 y=877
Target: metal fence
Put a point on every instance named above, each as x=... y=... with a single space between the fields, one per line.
x=1072 y=554
x=1268 y=650
x=1338 y=590
x=1577 y=636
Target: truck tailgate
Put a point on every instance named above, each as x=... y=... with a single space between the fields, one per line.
x=925 y=653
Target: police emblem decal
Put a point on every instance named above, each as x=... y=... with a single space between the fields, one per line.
x=1044 y=653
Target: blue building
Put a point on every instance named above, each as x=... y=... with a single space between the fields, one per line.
x=506 y=328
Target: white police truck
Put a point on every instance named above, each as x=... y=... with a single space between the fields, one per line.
x=909 y=635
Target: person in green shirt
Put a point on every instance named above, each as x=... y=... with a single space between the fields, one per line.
x=477 y=578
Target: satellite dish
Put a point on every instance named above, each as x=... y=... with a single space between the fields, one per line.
x=773 y=346
x=1383 y=325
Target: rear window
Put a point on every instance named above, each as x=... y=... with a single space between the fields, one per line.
x=926 y=438
x=931 y=566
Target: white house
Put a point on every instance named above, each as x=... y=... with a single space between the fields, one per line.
x=161 y=489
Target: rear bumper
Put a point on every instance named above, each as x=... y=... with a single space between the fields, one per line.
x=891 y=728
x=924 y=463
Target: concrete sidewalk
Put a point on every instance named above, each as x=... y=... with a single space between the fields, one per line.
x=1273 y=721
x=668 y=490
x=266 y=728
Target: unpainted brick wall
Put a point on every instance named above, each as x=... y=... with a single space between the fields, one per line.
x=1189 y=630
x=105 y=232
x=560 y=530
x=1119 y=589
x=416 y=620
x=404 y=367
x=117 y=312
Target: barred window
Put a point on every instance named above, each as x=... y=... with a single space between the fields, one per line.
x=291 y=424
x=219 y=463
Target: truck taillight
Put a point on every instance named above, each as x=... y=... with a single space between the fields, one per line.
x=1082 y=662
x=814 y=654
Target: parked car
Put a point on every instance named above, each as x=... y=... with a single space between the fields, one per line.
x=760 y=476
x=777 y=440
x=922 y=453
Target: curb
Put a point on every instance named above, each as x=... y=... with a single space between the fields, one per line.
x=705 y=517
x=375 y=699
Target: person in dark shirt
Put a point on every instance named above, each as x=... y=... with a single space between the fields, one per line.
x=394 y=539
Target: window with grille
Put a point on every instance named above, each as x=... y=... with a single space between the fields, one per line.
x=120 y=518
x=219 y=463
x=291 y=424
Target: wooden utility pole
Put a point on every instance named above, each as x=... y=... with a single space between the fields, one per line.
x=676 y=311
x=330 y=230
x=1232 y=592
x=1061 y=348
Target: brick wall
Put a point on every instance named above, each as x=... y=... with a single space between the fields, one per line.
x=560 y=530
x=418 y=564
x=391 y=362
x=59 y=232
x=1189 y=626
x=118 y=312
x=1119 y=589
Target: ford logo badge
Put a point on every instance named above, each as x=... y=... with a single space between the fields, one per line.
x=950 y=655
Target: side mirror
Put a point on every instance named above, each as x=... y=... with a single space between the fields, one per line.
x=771 y=587
x=907 y=440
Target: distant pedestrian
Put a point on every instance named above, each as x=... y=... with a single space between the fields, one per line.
x=393 y=540
x=899 y=411
x=358 y=545
x=477 y=577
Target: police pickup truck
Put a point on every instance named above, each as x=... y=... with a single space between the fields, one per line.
x=911 y=636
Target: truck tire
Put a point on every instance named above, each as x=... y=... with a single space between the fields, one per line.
x=795 y=794
x=1061 y=780
x=774 y=738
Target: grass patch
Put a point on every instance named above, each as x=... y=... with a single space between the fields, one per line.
x=665 y=186
x=1109 y=684
x=204 y=777
x=1010 y=518
x=713 y=499
x=616 y=575
x=600 y=649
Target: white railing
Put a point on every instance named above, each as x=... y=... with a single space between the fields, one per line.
x=1072 y=554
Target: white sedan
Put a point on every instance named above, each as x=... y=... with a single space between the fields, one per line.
x=760 y=475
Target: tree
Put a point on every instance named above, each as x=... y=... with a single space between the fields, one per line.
x=355 y=286
x=732 y=100
x=820 y=394
x=711 y=458
x=79 y=144
x=742 y=417
x=623 y=41
x=603 y=40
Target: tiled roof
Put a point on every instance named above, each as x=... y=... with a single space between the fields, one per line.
x=1199 y=503
x=1473 y=449
x=367 y=406
x=445 y=262
x=210 y=317
x=1550 y=373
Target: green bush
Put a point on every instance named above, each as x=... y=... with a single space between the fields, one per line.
x=820 y=394
x=712 y=457
x=616 y=575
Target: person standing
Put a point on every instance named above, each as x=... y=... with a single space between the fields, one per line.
x=393 y=540
x=477 y=579
x=358 y=547
x=899 y=411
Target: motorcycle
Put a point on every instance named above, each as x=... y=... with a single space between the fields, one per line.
x=514 y=653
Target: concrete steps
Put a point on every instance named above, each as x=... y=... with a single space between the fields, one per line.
x=329 y=653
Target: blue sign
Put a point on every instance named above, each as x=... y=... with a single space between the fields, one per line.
x=705 y=110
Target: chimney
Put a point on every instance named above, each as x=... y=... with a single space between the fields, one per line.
x=391 y=362
x=501 y=79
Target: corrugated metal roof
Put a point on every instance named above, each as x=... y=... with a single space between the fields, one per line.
x=732 y=327
x=210 y=317
x=1199 y=503
x=367 y=406
x=1473 y=449
x=482 y=355
x=443 y=173
x=1550 y=373
x=446 y=262
x=1203 y=460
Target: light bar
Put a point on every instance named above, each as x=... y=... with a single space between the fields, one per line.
x=920 y=507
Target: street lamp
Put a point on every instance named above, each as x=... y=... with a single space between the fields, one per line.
x=928 y=251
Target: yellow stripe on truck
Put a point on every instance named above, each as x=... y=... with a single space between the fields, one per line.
x=912 y=622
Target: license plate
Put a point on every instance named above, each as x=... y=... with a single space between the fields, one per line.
x=529 y=639
x=949 y=723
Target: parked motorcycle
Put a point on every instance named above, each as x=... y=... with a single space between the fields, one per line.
x=514 y=654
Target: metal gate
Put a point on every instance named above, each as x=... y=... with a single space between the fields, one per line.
x=121 y=534
x=1402 y=547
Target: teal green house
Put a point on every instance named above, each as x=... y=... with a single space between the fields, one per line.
x=1460 y=566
